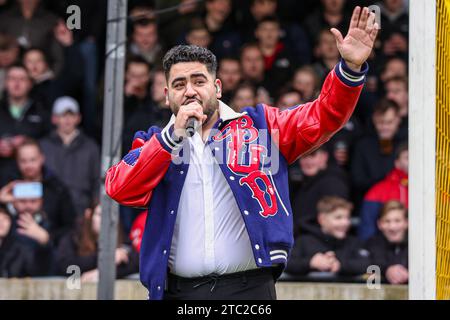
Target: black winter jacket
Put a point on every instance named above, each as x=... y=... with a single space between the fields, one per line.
x=353 y=258
x=332 y=181
x=34 y=123
x=385 y=254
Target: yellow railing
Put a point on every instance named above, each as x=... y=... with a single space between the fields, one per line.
x=443 y=150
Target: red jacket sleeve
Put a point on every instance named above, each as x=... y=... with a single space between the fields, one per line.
x=132 y=180
x=305 y=127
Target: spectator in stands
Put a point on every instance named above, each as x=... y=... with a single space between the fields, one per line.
x=393 y=187
x=389 y=249
x=393 y=68
x=172 y=23
x=261 y=9
x=31 y=226
x=72 y=156
x=395 y=45
x=20 y=116
x=230 y=74
x=141 y=11
x=306 y=82
x=226 y=40
x=145 y=41
x=374 y=155
x=329 y=249
x=278 y=58
x=252 y=67
x=342 y=143
x=139 y=111
x=81 y=248
x=57 y=203
x=288 y=99
x=252 y=64
x=137 y=79
x=161 y=112
x=45 y=87
x=330 y=15
x=327 y=53
x=198 y=34
x=69 y=80
x=32 y=25
x=138 y=100
x=319 y=179
x=74 y=80
x=9 y=54
x=397 y=90
x=394 y=18
x=292 y=34
x=244 y=96
x=15 y=257
x=84 y=43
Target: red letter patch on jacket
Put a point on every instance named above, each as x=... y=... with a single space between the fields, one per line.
x=242 y=144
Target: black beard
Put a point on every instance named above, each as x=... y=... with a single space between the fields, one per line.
x=209 y=112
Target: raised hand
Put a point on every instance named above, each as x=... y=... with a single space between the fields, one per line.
x=63 y=35
x=355 y=48
x=29 y=228
x=6 y=193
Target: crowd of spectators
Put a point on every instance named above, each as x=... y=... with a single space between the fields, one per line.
x=349 y=197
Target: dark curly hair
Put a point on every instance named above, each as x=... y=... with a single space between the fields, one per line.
x=189 y=53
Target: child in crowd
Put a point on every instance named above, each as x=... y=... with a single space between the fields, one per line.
x=330 y=249
x=389 y=249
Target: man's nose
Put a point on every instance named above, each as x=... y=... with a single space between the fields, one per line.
x=190 y=92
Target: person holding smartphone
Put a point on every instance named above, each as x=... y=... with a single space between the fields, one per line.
x=30 y=226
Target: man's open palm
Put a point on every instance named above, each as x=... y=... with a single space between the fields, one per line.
x=355 y=48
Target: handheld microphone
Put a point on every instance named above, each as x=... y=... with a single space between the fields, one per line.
x=191 y=126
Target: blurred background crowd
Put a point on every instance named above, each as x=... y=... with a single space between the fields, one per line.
x=349 y=197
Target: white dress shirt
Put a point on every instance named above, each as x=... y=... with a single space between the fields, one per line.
x=210 y=235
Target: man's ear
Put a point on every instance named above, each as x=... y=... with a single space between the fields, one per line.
x=218 y=85
x=166 y=94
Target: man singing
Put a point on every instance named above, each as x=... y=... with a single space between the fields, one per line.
x=220 y=223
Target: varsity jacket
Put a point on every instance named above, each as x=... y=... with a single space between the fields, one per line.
x=253 y=149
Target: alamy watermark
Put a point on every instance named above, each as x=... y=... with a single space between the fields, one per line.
x=73 y=281
x=374 y=279
x=73 y=22
x=377 y=11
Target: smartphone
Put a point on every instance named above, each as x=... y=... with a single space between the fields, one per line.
x=28 y=190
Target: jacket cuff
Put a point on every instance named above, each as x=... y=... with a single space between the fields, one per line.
x=350 y=77
x=168 y=139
